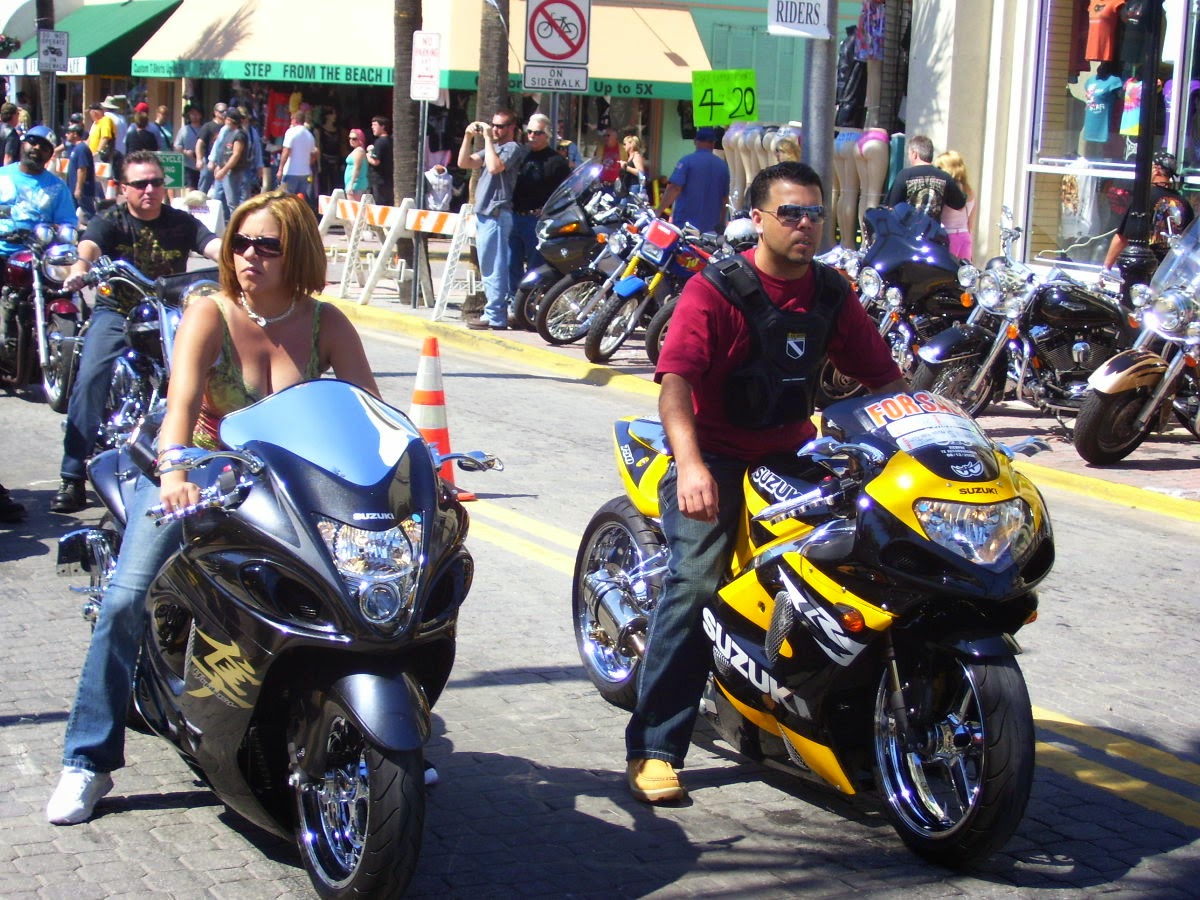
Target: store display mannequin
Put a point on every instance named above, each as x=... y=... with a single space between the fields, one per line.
x=869 y=39
x=785 y=143
x=733 y=142
x=872 y=153
x=765 y=151
x=1101 y=91
x=845 y=170
x=751 y=146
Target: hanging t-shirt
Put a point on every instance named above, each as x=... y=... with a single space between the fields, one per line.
x=1131 y=109
x=1103 y=21
x=1099 y=96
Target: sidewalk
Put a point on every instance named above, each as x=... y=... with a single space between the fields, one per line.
x=1163 y=474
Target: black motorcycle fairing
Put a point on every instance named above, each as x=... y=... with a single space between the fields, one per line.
x=389 y=709
x=172 y=288
x=113 y=475
x=962 y=340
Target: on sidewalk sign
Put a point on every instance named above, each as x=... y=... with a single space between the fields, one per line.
x=426 y=66
x=52 y=50
x=724 y=96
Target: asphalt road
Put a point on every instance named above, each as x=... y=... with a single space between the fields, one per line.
x=532 y=801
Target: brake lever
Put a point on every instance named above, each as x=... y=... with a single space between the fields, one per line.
x=228 y=492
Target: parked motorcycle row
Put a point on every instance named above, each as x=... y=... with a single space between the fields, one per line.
x=612 y=267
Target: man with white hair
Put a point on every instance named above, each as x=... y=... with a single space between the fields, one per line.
x=542 y=170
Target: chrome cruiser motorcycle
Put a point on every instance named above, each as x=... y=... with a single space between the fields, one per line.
x=1146 y=387
x=865 y=624
x=300 y=635
x=907 y=279
x=141 y=374
x=1036 y=337
x=39 y=322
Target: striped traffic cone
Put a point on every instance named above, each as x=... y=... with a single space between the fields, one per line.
x=428 y=411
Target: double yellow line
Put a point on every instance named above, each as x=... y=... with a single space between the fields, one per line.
x=1063 y=750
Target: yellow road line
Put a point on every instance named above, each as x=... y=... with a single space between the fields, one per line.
x=1097 y=738
x=497 y=513
x=552 y=559
x=1135 y=790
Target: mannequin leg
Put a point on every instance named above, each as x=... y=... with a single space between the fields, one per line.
x=845 y=151
x=751 y=142
x=732 y=142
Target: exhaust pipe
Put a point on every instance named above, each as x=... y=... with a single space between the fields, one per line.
x=615 y=608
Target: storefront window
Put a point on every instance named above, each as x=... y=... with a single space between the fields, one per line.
x=1087 y=118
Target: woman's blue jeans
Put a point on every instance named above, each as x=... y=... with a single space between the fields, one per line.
x=95 y=737
x=678 y=654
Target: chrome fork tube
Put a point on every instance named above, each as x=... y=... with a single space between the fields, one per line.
x=1164 y=387
x=989 y=361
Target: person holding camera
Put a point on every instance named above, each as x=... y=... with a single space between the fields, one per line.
x=499 y=161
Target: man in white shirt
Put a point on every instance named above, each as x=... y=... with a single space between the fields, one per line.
x=298 y=158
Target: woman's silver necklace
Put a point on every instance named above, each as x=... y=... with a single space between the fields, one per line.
x=264 y=321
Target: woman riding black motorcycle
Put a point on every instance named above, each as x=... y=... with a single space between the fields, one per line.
x=263 y=333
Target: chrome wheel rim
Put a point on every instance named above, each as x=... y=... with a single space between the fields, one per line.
x=614 y=551
x=337 y=806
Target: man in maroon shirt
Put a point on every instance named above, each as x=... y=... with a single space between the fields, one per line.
x=701 y=494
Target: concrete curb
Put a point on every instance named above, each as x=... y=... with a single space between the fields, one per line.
x=495 y=345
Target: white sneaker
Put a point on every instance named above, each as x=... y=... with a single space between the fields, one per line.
x=76 y=795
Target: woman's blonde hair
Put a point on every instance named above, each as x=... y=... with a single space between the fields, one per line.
x=303 y=251
x=637 y=143
x=951 y=162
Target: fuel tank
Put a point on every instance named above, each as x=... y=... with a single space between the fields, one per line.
x=1062 y=304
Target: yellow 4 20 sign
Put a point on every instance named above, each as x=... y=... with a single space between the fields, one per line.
x=725 y=96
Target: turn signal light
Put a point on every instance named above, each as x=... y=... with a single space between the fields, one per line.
x=852 y=619
x=966 y=299
x=601 y=238
x=1032 y=618
x=1013 y=332
x=569 y=228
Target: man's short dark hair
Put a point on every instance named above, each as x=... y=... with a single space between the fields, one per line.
x=8 y=110
x=794 y=172
x=140 y=156
x=921 y=147
x=384 y=122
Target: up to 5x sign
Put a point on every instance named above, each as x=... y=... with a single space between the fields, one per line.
x=724 y=96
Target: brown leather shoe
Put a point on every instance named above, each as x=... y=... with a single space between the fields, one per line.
x=654 y=781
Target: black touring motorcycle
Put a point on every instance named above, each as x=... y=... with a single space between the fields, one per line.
x=304 y=629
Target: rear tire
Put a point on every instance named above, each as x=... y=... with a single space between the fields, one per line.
x=566 y=309
x=63 y=360
x=359 y=827
x=1104 y=429
x=614 y=322
x=618 y=540
x=950 y=380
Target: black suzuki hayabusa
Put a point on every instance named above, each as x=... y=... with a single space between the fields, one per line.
x=304 y=629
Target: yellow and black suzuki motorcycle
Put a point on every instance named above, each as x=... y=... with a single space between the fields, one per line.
x=865 y=625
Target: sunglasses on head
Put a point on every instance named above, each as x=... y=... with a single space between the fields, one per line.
x=790 y=214
x=264 y=246
x=142 y=183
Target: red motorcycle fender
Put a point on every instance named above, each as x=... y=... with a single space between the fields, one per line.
x=62 y=306
x=1128 y=370
x=390 y=710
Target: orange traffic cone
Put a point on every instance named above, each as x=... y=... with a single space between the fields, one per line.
x=428 y=411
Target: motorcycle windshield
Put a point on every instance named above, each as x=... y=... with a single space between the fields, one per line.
x=580 y=185
x=931 y=429
x=905 y=234
x=336 y=426
x=1181 y=265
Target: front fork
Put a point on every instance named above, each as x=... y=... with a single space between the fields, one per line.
x=896 y=706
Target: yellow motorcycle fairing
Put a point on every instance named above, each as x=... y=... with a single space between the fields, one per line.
x=640 y=445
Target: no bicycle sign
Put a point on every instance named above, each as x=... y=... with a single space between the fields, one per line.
x=557 y=32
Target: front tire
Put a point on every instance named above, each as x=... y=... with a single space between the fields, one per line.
x=566 y=310
x=656 y=331
x=525 y=306
x=1104 y=431
x=360 y=825
x=959 y=795
x=618 y=550
x=59 y=375
x=615 y=321
x=951 y=379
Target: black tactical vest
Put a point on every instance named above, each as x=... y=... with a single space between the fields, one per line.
x=776 y=384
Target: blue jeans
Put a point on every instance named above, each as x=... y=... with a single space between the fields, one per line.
x=678 y=654
x=491 y=243
x=298 y=184
x=232 y=190
x=102 y=345
x=523 y=254
x=204 y=178
x=95 y=737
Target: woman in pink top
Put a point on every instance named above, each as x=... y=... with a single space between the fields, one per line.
x=959 y=223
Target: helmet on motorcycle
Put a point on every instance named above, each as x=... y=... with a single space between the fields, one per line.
x=741 y=234
x=1166 y=161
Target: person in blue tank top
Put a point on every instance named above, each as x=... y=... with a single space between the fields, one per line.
x=699 y=187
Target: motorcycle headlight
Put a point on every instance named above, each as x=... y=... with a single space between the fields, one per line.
x=1140 y=295
x=44 y=233
x=967 y=276
x=988 y=291
x=618 y=242
x=869 y=283
x=379 y=568
x=652 y=253
x=894 y=296
x=979 y=533
x=853 y=266
x=57 y=262
x=1172 y=312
